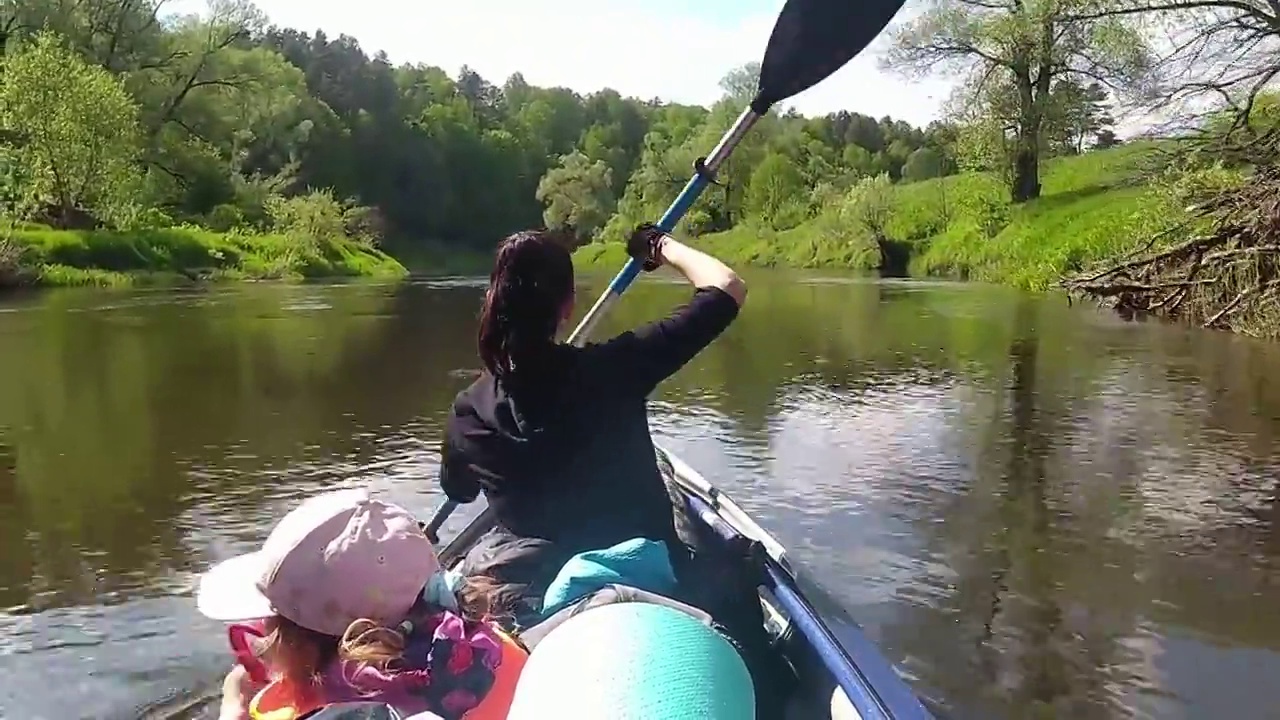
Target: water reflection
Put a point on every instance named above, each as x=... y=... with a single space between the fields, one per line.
x=1039 y=511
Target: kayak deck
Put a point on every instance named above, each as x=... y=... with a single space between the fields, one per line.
x=839 y=672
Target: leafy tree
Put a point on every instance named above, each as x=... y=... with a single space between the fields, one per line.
x=776 y=194
x=75 y=132
x=1010 y=53
x=922 y=164
x=1076 y=114
x=578 y=195
x=870 y=204
x=739 y=85
x=858 y=160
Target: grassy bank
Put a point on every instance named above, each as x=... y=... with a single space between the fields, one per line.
x=1093 y=206
x=35 y=255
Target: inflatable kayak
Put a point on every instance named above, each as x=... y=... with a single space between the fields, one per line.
x=839 y=673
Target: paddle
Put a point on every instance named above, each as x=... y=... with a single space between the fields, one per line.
x=810 y=40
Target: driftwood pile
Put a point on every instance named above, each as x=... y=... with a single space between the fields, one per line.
x=1220 y=269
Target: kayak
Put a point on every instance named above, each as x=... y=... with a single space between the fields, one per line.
x=839 y=672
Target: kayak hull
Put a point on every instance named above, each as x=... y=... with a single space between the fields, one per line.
x=839 y=673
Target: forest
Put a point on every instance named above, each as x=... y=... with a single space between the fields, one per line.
x=224 y=122
x=135 y=140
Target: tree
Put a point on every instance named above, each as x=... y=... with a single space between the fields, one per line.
x=237 y=118
x=1076 y=114
x=1225 y=51
x=941 y=136
x=922 y=164
x=740 y=83
x=776 y=193
x=858 y=160
x=578 y=196
x=1010 y=52
x=75 y=130
x=870 y=204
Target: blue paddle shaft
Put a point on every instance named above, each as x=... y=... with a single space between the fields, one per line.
x=685 y=200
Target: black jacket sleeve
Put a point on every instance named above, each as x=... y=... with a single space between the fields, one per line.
x=637 y=361
x=456 y=479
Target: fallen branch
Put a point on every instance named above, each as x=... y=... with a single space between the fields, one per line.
x=1108 y=289
x=1227 y=278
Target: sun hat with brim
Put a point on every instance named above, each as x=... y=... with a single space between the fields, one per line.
x=338 y=557
x=634 y=661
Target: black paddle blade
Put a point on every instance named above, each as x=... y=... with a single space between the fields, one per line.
x=814 y=38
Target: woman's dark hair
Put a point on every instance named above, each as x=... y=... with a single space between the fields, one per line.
x=531 y=281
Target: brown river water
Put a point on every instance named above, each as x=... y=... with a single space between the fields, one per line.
x=1036 y=510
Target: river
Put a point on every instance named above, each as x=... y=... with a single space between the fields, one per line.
x=1037 y=510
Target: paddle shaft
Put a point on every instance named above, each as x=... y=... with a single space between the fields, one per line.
x=692 y=190
x=432 y=528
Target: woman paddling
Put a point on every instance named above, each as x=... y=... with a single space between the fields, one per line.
x=557 y=437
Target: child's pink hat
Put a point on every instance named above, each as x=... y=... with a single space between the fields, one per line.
x=338 y=557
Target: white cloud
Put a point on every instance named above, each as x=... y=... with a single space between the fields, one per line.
x=591 y=44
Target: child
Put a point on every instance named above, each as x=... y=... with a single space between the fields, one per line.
x=355 y=607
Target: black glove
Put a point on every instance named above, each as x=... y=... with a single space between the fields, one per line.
x=645 y=245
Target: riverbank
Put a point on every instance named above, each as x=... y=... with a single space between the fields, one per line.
x=1094 y=206
x=32 y=255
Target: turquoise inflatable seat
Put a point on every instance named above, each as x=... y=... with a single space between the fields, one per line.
x=634 y=661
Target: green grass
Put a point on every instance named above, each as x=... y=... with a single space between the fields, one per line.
x=746 y=245
x=109 y=258
x=1093 y=206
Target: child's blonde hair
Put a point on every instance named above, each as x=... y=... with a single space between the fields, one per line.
x=300 y=656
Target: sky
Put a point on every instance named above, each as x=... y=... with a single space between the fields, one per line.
x=676 y=50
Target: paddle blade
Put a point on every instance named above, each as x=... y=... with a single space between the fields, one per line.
x=814 y=38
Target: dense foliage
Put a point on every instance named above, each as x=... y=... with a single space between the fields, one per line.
x=115 y=115
x=133 y=141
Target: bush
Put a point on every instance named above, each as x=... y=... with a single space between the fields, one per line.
x=310 y=220
x=983 y=203
x=1193 y=183
x=13 y=269
x=104 y=257
x=366 y=225
x=869 y=204
x=224 y=218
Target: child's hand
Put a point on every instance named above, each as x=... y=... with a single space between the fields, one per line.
x=237 y=690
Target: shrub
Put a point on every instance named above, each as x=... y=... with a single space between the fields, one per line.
x=310 y=220
x=225 y=218
x=13 y=269
x=983 y=204
x=366 y=225
x=869 y=204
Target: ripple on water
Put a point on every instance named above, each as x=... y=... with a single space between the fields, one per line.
x=159 y=648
